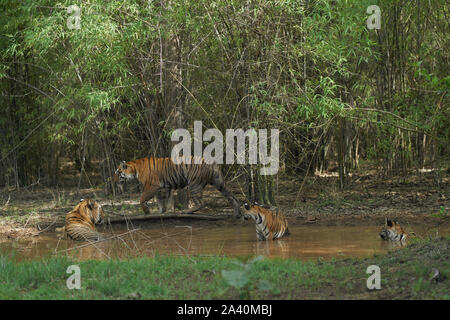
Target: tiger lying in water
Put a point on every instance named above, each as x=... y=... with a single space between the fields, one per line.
x=81 y=221
x=160 y=176
x=393 y=231
x=269 y=225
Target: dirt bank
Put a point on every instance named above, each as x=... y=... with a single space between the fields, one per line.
x=10 y=232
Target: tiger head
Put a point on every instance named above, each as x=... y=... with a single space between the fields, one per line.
x=253 y=211
x=393 y=231
x=91 y=210
x=270 y=225
x=125 y=171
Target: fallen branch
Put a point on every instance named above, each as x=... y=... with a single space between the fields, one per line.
x=46 y=228
x=7 y=202
x=170 y=216
x=98 y=241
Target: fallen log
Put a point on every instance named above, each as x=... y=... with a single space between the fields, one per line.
x=125 y=218
x=116 y=218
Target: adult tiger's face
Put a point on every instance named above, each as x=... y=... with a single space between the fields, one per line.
x=252 y=211
x=269 y=225
x=393 y=231
x=91 y=210
x=125 y=171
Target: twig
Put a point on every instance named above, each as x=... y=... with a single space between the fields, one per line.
x=40 y=231
x=98 y=241
x=7 y=202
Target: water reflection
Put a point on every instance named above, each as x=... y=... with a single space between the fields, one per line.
x=304 y=242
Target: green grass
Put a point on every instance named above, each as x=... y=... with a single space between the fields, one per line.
x=405 y=274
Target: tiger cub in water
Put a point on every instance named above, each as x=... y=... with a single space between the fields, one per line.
x=81 y=221
x=393 y=231
x=269 y=225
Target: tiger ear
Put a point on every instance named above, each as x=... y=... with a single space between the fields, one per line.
x=389 y=223
x=90 y=204
x=81 y=200
x=246 y=206
x=124 y=164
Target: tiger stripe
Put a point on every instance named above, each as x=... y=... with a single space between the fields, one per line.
x=160 y=176
x=393 y=231
x=80 y=222
x=269 y=225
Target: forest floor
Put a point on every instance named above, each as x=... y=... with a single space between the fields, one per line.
x=366 y=200
x=314 y=200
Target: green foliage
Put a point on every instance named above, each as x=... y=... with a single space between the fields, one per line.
x=443 y=213
x=243 y=280
x=186 y=277
x=110 y=87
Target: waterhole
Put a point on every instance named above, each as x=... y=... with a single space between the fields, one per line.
x=304 y=242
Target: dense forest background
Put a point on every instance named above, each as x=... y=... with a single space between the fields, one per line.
x=115 y=88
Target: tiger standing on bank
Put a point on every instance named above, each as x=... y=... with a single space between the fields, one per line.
x=81 y=221
x=269 y=225
x=160 y=176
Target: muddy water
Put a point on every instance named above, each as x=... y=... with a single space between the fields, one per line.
x=304 y=242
